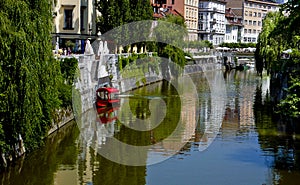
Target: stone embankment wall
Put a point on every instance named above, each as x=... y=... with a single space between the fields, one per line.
x=203 y=63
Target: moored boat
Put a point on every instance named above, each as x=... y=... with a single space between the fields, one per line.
x=107 y=96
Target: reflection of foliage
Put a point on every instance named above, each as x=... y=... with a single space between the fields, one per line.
x=139 y=106
x=59 y=150
x=270 y=136
x=121 y=172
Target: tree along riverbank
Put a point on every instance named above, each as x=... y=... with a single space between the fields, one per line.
x=277 y=51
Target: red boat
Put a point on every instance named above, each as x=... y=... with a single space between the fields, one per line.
x=107 y=96
x=107 y=114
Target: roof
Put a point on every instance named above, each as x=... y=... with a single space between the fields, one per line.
x=233 y=17
x=167 y=12
x=108 y=89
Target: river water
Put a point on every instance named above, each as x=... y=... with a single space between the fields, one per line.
x=245 y=148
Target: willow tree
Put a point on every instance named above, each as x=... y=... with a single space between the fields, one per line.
x=29 y=75
x=172 y=30
x=270 y=42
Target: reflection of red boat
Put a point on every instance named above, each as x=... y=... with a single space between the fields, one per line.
x=107 y=96
x=107 y=114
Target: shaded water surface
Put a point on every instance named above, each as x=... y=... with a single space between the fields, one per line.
x=248 y=148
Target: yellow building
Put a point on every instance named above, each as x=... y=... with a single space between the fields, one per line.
x=74 y=20
x=254 y=13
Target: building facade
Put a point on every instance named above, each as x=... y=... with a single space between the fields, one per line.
x=211 y=21
x=234 y=25
x=188 y=9
x=75 y=21
x=254 y=12
x=191 y=18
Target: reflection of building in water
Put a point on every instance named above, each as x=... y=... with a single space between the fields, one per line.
x=186 y=122
x=239 y=110
x=96 y=127
x=246 y=105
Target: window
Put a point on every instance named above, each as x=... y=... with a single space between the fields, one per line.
x=200 y=5
x=249 y=39
x=245 y=39
x=254 y=23
x=246 y=13
x=246 y=22
x=264 y=15
x=200 y=26
x=201 y=16
x=259 y=23
x=249 y=31
x=173 y=1
x=245 y=30
x=254 y=31
x=250 y=22
x=259 y=14
x=254 y=14
x=250 y=13
x=82 y=18
x=68 y=18
x=253 y=39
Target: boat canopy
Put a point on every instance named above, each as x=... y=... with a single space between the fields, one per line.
x=108 y=89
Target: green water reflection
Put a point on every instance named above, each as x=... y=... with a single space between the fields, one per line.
x=249 y=149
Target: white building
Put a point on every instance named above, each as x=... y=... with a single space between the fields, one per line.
x=234 y=25
x=211 y=21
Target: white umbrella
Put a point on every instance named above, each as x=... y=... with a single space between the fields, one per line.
x=56 y=47
x=100 y=49
x=105 y=50
x=88 y=48
x=288 y=51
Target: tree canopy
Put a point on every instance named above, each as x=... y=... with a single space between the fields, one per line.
x=115 y=13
